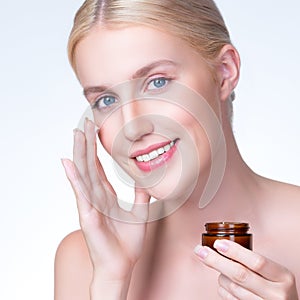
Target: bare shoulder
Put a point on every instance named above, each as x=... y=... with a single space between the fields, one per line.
x=279 y=224
x=281 y=194
x=73 y=268
x=282 y=205
x=279 y=207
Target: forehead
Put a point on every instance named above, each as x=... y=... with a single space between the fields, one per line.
x=110 y=56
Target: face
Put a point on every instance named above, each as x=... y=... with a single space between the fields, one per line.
x=156 y=104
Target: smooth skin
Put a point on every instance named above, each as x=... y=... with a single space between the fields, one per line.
x=108 y=259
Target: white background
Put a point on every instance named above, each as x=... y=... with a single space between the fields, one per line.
x=41 y=102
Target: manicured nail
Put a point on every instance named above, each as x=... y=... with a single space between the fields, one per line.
x=221 y=245
x=201 y=251
x=75 y=131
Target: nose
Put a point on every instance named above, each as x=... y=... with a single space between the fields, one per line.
x=136 y=123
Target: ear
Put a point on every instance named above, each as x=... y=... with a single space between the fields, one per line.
x=228 y=70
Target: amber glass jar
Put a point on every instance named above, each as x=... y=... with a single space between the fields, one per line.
x=237 y=232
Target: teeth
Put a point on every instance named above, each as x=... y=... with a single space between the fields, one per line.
x=160 y=151
x=167 y=148
x=155 y=153
x=146 y=157
x=139 y=158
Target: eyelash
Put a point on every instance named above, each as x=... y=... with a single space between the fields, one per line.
x=97 y=103
x=166 y=79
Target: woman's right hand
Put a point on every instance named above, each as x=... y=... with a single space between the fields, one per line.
x=115 y=244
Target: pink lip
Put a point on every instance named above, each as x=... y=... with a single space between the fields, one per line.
x=149 y=149
x=157 y=162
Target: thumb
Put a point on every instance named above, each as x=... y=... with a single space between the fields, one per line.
x=140 y=207
x=141 y=197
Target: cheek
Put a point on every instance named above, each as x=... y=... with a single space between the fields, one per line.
x=104 y=142
x=109 y=129
x=197 y=153
x=107 y=136
x=203 y=136
x=207 y=94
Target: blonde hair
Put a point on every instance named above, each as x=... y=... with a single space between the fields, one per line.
x=198 y=22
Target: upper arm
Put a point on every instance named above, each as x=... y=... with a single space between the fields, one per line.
x=73 y=269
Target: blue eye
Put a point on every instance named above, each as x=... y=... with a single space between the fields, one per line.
x=108 y=100
x=104 y=102
x=157 y=83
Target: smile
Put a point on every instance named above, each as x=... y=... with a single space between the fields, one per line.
x=155 y=153
x=155 y=158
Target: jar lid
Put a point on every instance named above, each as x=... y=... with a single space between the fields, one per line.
x=224 y=226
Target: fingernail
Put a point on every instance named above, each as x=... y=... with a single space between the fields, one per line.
x=88 y=121
x=201 y=251
x=221 y=245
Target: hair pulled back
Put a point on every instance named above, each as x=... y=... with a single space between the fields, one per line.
x=198 y=22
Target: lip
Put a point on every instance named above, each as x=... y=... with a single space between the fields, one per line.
x=157 y=162
x=149 y=149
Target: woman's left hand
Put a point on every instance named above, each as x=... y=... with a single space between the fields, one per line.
x=247 y=275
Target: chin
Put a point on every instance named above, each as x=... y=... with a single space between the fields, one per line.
x=175 y=181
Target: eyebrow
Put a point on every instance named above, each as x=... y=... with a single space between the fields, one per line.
x=142 y=72
x=145 y=70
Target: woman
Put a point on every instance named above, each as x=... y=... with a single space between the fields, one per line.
x=160 y=77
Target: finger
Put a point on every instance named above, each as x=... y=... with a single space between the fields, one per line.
x=141 y=197
x=91 y=153
x=98 y=163
x=83 y=203
x=137 y=214
x=104 y=179
x=237 y=272
x=236 y=290
x=86 y=207
x=224 y=294
x=259 y=264
x=102 y=174
x=140 y=208
x=104 y=197
x=79 y=155
x=95 y=169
